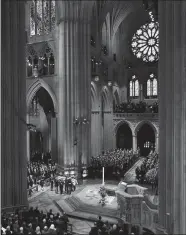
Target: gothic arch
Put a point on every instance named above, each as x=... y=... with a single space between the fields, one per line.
x=116 y=96
x=94 y=97
x=140 y=124
x=35 y=87
x=106 y=97
x=120 y=123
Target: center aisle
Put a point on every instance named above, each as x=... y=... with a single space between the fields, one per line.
x=130 y=175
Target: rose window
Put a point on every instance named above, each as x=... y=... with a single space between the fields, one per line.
x=145 y=42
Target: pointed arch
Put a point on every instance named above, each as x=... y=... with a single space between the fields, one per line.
x=140 y=124
x=105 y=94
x=35 y=87
x=120 y=124
x=116 y=97
x=94 y=96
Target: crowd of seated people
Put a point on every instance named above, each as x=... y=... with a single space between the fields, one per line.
x=33 y=222
x=116 y=162
x=104 y=228
x=141 y=107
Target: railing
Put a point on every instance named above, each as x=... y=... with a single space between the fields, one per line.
x=135 y=115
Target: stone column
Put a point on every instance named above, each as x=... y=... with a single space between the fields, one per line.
x=28 y=138
x=13 y=105
x=157 y=143
x=54 y=138
x=172 y=116
x=141 y=92
x=74 y=85
x=134 y=143
x=49 y=134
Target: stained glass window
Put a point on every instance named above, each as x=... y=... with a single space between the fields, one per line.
x=152 y=86
x=44 y=64
x=155 y=87
x=34 y=107
x=42 y=17
x=32 y=18
x=134 y=87
x=145 y=42
x=131 y=88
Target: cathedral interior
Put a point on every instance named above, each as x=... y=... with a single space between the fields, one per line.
x=90 y=86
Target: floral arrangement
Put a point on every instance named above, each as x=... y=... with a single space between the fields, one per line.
x=151 y=175
x=148 y=171
x=103 y=194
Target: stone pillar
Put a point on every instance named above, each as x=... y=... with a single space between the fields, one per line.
x=49 y=134
x=108 y=131
x=28 y=138
x=95 y=133
x=13 y=106
x=54 y=138
x=157 y=143
x=172 y=116
x=74 y=85
x=141 y=92
x=134 y=143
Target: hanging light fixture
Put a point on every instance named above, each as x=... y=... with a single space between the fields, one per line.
x=109 y=83
x=96 y=79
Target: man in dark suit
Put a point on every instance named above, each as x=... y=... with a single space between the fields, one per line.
x=66 y=220
x=66 y=185
x=61 y=187
x=60 y=225
x=56 y=185
x=94 y=230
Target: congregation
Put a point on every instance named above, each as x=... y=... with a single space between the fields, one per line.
x=147 y=173
x=141 y=107
x=34 y=222
x=117 y=161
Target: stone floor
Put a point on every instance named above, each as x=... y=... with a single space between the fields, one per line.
x=45 y=200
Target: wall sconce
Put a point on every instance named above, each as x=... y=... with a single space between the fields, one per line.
x=85 y=121
x=76 y=121
x=96 y=79
x=109 y=83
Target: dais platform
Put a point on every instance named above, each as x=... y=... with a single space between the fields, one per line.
x=85 y=204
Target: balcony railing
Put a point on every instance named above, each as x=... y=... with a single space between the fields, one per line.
x=135 y=115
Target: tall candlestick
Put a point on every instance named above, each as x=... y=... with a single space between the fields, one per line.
x=103 y=176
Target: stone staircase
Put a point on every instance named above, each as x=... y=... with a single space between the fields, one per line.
x=76 y=204
x=130 y=175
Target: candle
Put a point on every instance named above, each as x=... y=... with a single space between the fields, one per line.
x=103 y=176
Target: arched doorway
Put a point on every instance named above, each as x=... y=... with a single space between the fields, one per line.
x=41 y=111
x=146 y=139
x=124 y=137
